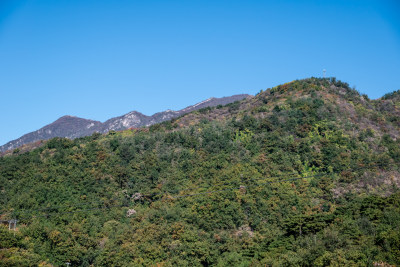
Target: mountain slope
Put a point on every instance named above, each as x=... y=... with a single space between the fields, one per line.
x=303 y=174
x=73 y=127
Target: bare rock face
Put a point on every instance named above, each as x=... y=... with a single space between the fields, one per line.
x=73 y=127
x=131 y=120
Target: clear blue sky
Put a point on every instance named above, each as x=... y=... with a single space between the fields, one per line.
x=99 y=59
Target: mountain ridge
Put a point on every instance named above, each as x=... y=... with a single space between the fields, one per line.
x=73 y=127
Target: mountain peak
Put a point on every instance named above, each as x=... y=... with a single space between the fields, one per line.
x=72 y=127
x=69 y=118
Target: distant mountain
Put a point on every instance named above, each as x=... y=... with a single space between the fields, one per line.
x=66 y=126
x=136 y=119
x=73 y=127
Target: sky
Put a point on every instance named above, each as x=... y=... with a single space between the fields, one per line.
x=98 y=59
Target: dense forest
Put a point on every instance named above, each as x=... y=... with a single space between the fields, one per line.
x=303 y=174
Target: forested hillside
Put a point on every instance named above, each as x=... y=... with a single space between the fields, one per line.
x=303 y=174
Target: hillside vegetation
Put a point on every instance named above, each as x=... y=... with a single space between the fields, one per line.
x=303 y=174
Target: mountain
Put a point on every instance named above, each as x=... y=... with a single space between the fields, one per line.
x=66 y=126
x=73 y=127
x=306 y=173
x=136 y=119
